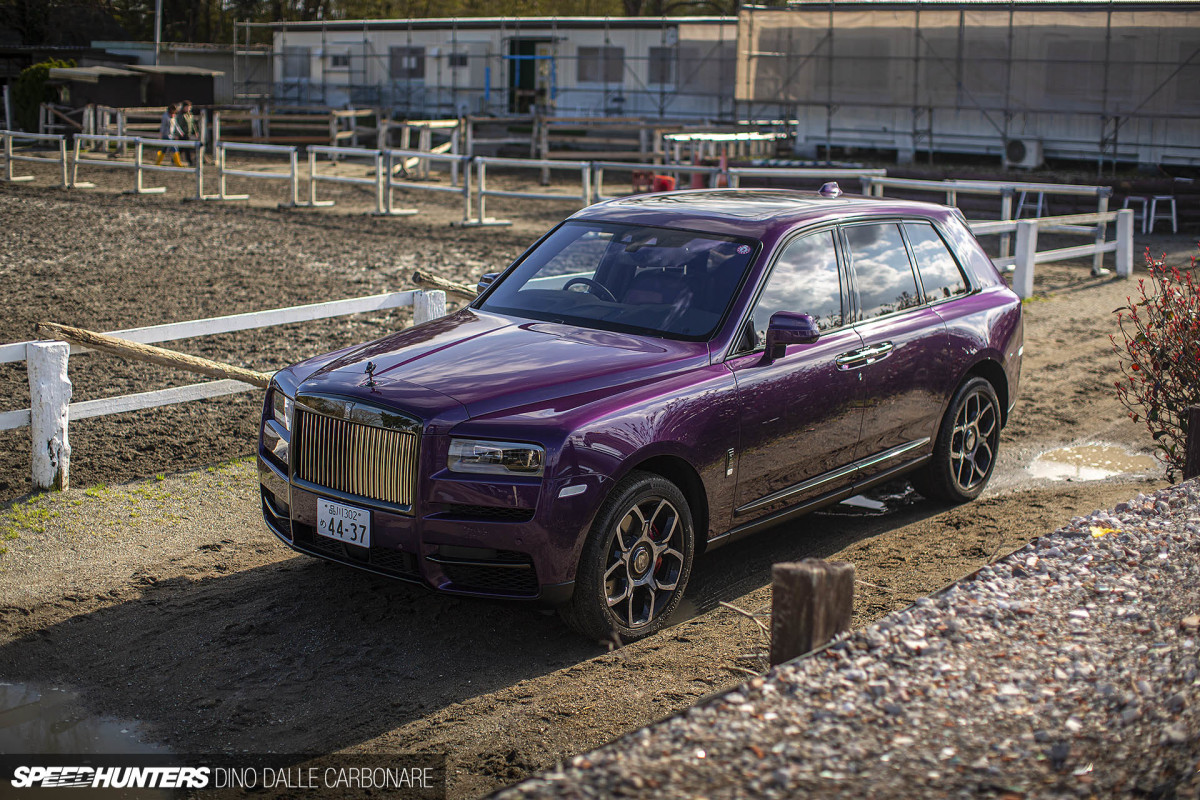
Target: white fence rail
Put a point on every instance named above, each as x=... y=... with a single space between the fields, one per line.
x=50 y=389
x=801 y=174
x=11 y=155
x=1006 y=191
x=710 y=175
x=1027 y=254
x=583 y=197
x=403 y=161
x=224 y=171
x=138 y=164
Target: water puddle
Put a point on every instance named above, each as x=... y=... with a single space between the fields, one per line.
x=1090 y=462
x=52 y=721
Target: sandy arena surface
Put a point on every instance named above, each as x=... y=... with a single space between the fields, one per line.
x=165 y=600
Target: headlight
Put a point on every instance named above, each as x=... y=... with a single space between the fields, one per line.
x=283 y=407
x=495 y=458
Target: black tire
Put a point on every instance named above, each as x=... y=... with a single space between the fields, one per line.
x=964 y=453
x=635 y=563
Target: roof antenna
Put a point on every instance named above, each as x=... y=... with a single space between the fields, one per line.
x=830 y=189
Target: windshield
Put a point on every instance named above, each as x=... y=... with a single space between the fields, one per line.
x=658 y=281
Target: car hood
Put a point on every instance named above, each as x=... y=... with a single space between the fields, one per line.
x=491 y=363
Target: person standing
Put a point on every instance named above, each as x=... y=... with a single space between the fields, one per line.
x=189 y=131
x=169 y=129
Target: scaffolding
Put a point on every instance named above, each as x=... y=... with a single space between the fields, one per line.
x=670 y=68
x=1114 y=81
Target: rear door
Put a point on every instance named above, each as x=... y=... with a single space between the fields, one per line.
x=904 y=361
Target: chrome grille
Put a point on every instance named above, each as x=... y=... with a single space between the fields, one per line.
x=355 y=459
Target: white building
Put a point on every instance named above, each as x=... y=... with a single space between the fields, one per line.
x=662 y=68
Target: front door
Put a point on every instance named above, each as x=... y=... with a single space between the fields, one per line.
x=801 y=414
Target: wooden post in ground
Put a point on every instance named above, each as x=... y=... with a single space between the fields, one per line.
x=811 y=602
x=1022 y=279
x=50 y=399
x=434 y=282
x=1191 y=461
x=428 y=304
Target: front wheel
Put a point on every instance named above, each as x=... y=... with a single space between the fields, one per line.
x=635 y=563
x=964 y=454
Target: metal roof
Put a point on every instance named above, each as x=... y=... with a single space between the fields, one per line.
x=476 y=23
x=90 y=74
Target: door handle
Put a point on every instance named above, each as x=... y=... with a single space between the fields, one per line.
x=855 y=358
x=864 y=355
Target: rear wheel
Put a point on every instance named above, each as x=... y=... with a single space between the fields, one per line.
x=964 y=454
x=635 y=563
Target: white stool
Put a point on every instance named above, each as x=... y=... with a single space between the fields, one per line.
x=1022 y=204
x=1155 y=216
x=1142 y=213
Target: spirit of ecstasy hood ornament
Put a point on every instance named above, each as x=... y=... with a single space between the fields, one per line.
x=370 y=370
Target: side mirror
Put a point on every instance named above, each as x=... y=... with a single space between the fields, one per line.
x=788 y=327
x=486 y=281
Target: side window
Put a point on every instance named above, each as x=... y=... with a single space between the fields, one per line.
x=939 y=272
x=886 y=283
x=805 y=280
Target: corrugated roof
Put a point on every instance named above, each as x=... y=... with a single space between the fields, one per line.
x=90 y=74
x=469 y=23
x=176 y=70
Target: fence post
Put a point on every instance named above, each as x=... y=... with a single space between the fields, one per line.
x=586 y=178
x=1027 y=233
x=1098 y=259
x=428 y=305
x=1125 y=242
x=1006 y=200
x=1191 y=461
x=811 y=602
x=50 y=399
x=8 y=154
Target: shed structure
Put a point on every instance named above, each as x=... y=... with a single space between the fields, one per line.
x=661 y=68
x=1024 y=80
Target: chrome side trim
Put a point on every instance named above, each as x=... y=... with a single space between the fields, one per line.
x=828 y=477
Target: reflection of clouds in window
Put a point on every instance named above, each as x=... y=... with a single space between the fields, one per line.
x=805 y=280
x=939 y=272
x=582 y=255
x=885 y=278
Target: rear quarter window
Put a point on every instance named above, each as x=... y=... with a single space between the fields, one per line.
x=940 y=274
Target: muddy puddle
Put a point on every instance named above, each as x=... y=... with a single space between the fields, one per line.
x=1091 y=462
x=52 y=721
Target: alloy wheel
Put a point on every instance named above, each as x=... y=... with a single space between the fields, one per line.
x=973 y=443
x=644 y=562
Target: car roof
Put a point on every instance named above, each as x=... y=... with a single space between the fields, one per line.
x=746 y=212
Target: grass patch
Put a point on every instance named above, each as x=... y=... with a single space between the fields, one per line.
x=28 y=517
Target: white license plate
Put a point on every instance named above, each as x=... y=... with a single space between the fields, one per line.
x=344 y=523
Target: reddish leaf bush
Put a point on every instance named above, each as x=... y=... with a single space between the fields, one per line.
x=1158 y=352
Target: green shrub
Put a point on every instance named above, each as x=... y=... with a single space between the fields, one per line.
x=30 y=90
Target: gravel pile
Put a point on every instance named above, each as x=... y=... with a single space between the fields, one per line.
x=1068 y=669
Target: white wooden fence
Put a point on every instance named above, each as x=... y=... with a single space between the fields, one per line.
x=50 y=388
x=1027 y=254
x=11 y=155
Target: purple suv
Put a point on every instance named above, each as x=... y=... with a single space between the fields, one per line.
x=657 y=376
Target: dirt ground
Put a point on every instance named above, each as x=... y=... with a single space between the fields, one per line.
x=165 y=601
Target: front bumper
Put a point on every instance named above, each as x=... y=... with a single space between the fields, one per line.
x=462 y=542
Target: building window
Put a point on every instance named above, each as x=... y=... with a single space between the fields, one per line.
x=339 y=61
x=662 y=65
x=600 y=65
x=407 y=63
x=296 y=63
x=456 y=60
